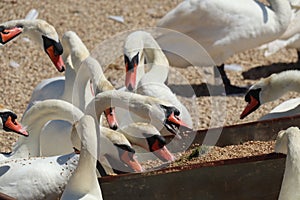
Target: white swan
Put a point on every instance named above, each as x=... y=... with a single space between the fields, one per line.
x=270 y=89
x=42 y=112
x=149 y=138
x=84 y=184
x=288 y=142
x=141 y=45
x=9 y=123
x=12 y=171
x=289 y=39
x=38 y=30
x=223 y=29
x=76 y=56
x=36 y=177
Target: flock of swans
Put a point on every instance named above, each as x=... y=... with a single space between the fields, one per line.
x=64 y=138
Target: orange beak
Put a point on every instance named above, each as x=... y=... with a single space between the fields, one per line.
x=172 y=118
x=130 y=79
x=9 y=34
x=111 y=118
x=56 y=59
x=15 y=127
x=162 y=152
x=251 y=106
x=131 y=162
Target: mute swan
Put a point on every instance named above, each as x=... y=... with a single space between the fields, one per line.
x=8 y=122
x=36 y=177
x=288 y=143
x=223 y=29
x=157 y=112
x=83 y=184
x=76 y=56
x=141 y=45
x=289 y=39
x=42 y=112
x=12 y=171
x=149 y=138
x=38 y=30
x=270 y=89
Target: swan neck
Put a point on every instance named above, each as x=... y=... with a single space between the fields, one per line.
x=89 y=70
x=133 y=102
x=291 y=181
x=35 y=119
x=156 y=59
x=280 y=84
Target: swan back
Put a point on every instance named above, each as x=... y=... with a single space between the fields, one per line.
x=218 y=26
x=288 y=142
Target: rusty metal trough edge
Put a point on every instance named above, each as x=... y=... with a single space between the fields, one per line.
x=234 y=134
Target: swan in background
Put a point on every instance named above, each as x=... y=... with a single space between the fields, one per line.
x=83 y=184
x=140 y=46
x=288 y=142
x=270 y=89
x=9 y=123
x=289 y=39
x=76 y=57
x=38 y=30
x=222 y=29
x=149 y=138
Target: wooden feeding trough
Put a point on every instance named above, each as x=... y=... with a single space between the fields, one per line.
x=255 y=177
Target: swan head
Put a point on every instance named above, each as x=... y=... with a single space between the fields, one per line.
x=281 y=145
x=120 y=150
x=134 y=47
x=8 y=122
x=131 y=64
x=9 y=33
x=157 y=145
x=264 y=91
x=40 y=31
x=111 y=118
x=148 y=137
x=169 y=116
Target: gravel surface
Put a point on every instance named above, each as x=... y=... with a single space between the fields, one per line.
x=90 y=20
